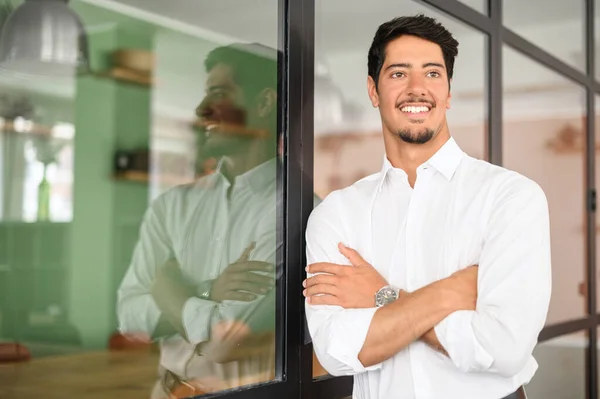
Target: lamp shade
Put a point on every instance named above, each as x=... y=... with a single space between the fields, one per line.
x=43 y=38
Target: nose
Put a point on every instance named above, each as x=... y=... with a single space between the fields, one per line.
x=204 y=109
x=416 y=86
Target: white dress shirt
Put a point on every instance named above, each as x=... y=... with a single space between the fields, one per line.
x=205 y=231
x=461 y=211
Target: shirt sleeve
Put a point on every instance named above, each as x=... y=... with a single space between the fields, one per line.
x=136 y=309
x=514 y=286
x=199 y=315
x=338 y=334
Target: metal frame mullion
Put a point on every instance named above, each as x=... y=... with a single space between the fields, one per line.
x=592 y=350
x=495 y=88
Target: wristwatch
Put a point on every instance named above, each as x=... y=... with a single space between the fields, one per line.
x=386 y=295
x=204 y=289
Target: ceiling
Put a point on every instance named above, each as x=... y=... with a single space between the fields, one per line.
x=256 y=20
x=344 y=30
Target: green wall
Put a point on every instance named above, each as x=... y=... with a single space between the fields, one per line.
x=109 y=115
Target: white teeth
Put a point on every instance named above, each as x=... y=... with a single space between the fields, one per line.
x=208 y=128
x=414 y=110
x=211 y=127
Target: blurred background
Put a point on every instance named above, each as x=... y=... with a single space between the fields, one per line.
x=84 y=151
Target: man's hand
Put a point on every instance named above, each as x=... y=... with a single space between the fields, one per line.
x=239 y=277
x=346 y=286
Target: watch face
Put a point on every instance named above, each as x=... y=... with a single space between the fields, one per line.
x=386 y=295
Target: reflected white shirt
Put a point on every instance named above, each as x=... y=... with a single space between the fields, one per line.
x=205 y=231
x=462 y=211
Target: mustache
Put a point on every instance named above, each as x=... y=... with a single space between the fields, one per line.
x=410 y=100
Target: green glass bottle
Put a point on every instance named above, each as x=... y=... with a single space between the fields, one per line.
x=44 y=198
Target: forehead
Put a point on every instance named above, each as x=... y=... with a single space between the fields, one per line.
x=412 y=50
x=220 y=75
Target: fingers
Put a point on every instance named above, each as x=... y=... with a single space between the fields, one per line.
x=246 y=254
x=330 y=268
x=239 y=296
x=253 y=288
x=320 y=279
x=352 y=255
x=251 y=266
x=320 y=289
x=253 y=278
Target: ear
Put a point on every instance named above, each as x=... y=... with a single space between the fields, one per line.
x=266 y=102
x=372 y=89
x=448 y=100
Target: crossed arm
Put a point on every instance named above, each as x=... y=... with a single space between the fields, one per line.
x=395 y=326
x=156 y=299
x=496 y=334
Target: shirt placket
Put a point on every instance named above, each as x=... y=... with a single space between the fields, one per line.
x=396 y=268
x=219 y=237
x=413 y=280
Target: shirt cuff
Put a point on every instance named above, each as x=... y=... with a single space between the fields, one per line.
x=456 y=335
x=349 y=335
x=196 y=319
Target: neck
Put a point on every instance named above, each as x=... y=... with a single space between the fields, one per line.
x=408 y=156
x=252 y=156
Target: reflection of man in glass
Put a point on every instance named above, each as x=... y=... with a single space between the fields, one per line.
x=202 y=274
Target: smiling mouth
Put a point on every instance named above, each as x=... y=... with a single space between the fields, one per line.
x=416 y=111
x=209 y=128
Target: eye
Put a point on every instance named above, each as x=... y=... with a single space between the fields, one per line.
x=397 y=75
x=218 y=94
x=434 y=74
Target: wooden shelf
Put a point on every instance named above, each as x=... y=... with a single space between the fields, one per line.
x=126 y=76
x=144 y=178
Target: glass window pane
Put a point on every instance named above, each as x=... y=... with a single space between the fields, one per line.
x=147 y=186
x=348 y=138
x=562 y=368
x=478 y=5
x=557 y=27
x=542 y=139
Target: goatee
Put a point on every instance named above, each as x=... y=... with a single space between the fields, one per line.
x=410 y=137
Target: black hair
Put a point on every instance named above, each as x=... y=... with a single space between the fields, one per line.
x=254 y=65
x=420 y=26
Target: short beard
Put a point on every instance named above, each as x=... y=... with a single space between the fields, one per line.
x=421 y=137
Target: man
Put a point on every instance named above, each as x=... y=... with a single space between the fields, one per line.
x=202 y=276
x=431 y=278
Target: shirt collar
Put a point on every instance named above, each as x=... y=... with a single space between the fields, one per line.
x=257 y=178
x=445 y=160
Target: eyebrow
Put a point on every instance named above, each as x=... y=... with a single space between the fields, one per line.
x=217 y=87
x=409 y=66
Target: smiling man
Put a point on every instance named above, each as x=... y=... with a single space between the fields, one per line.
x=431 y=278
x=201 y=280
